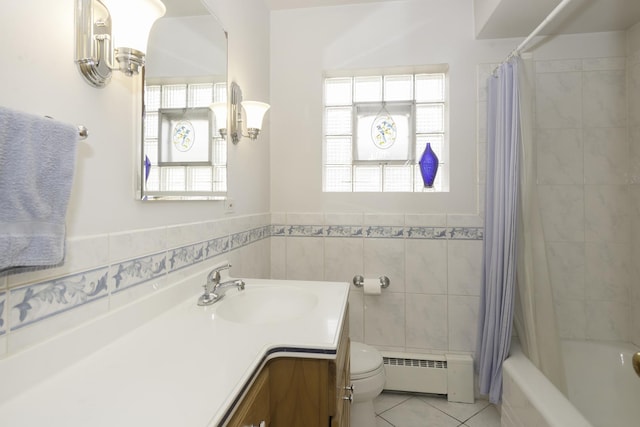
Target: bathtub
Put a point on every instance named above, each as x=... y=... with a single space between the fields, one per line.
x=602 y=387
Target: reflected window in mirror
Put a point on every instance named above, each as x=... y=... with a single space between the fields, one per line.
x=183 y=157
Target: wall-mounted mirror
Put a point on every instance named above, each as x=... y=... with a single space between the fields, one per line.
x=183 y=157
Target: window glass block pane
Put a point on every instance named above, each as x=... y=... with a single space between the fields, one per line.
x=219 y=151
x=338 y=151
x=153 y=182
x=338 y=121
x=220 y=92
x=430 y=87
x=437 y=144
x=151 y=125
x=174 y=96
x=220 y=178
x=398 y=178
x=429 y=118
x=152 y=98
x=368 y=89
x=398 y=88
x=367 y=178
x=337 y=178
x=151 y=151
x=338 y=91
x=200 y=95
x=173 y=179
x=199 y=178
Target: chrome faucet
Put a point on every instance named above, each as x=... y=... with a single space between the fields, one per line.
x=214 y=290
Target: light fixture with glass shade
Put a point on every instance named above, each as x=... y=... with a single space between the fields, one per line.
x=254 y=112
x=220 y=112
x=108 y=28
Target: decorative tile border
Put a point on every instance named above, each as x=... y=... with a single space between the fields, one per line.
x=378 y=232
x=32 y=303
x=133 y=272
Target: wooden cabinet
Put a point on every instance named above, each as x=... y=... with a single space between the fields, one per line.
x=254 y=407
x=294 y=391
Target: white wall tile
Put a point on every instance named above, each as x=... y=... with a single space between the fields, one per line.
x=384 y=319
x=608 y=320
x=305 y=258
x=606 y=156
x=343 y=259
x=385 y=257
x=136 y=243
x=571 y=319
x=566 y=261
x=608 y=213
x=462 y=313
x=562 y=209
x=464 y=267
x=604 y=102
x=426 y=266
x=427 y=321
x=608 y=271
x=356 y=315
x=559 y=100
x=278 y=258
x=560 y=156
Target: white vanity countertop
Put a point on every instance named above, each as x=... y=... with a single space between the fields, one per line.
x=184 y=368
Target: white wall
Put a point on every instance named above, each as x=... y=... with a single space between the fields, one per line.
x=306 y=42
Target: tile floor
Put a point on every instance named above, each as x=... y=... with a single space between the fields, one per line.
x=418 y=410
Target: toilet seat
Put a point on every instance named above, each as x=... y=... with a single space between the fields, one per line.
x=366 y=361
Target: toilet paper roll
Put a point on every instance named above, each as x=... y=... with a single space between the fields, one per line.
x=372 y=287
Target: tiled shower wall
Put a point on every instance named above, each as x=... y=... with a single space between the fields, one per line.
x=432 y=261
x=106 y=272
x=583 y=166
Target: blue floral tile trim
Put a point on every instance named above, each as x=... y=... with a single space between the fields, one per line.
x=185 y=256
x=215 y=247
x=134 y=272
x=377 y=232
x=3 y=299
x=39 y=301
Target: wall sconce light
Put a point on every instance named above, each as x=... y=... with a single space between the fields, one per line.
x=220 y=112
x=253 y=110
x=108 y=28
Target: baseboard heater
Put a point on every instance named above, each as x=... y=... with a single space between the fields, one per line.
x=449 y=374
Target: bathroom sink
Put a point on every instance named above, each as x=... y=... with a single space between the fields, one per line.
x=270 y=304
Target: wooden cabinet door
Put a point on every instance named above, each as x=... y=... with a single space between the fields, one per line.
x=255 y=407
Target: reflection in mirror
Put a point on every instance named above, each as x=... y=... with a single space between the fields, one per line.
x=183 y=157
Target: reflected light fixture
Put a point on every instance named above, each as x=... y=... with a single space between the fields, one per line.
x=254 y=112
x=108 y=29
x=220 y=112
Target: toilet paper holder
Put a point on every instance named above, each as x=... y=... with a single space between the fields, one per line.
x=358 y=281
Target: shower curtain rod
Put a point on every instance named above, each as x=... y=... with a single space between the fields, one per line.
x=535 y=32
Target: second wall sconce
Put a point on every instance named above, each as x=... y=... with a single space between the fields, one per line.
x=254 y=112
x=108 y=28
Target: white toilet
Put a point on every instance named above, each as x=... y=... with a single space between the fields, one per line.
x=367 y=377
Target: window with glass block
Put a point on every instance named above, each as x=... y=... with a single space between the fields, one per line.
x=376 y=129
x=183 y=178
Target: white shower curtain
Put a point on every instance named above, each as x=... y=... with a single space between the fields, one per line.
x=500 y=228
x=515 y=282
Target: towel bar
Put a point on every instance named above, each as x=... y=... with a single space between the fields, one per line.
x=83 y=132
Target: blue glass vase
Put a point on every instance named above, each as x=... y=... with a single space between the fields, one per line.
x=428 y=166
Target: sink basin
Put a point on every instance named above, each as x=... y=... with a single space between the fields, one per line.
x=266 y=304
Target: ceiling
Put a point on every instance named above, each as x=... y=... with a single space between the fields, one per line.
x=517 y=18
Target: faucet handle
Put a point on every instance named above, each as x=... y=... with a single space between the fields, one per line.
x=214 y=275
